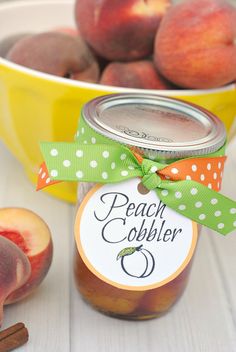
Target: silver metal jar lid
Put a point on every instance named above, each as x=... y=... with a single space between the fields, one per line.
x=166 y=127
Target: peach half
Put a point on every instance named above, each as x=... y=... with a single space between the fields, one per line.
x=31 y=234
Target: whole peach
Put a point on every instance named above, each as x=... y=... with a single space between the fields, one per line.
x=136 y=74
x=31 y=234
x=7 y=43
x=57 y=53
x=195 y=44
x=14 y=270
x=120 y=30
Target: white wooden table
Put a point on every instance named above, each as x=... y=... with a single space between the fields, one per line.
x=204 y=320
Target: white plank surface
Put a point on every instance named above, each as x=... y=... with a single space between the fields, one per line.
x=204 y=319
x=46 y=312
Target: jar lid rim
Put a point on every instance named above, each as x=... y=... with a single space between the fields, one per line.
x=188 y=129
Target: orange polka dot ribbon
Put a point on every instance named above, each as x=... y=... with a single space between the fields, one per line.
x=189 y=186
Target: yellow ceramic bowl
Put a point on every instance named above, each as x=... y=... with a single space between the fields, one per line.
x=38 y=107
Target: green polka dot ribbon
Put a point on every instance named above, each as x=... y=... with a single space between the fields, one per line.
x=189 y=186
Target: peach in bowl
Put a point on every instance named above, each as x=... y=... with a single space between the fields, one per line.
x=37 y=106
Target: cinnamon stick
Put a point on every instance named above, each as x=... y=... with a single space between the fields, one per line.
x=13 y=337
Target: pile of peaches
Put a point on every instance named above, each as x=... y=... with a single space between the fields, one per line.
x=149 y=44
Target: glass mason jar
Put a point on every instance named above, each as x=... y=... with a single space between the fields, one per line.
x=160 y=129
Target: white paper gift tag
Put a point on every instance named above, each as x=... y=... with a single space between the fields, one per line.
x=132 y=240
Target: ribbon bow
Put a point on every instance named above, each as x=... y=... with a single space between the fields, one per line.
x=189 y=186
